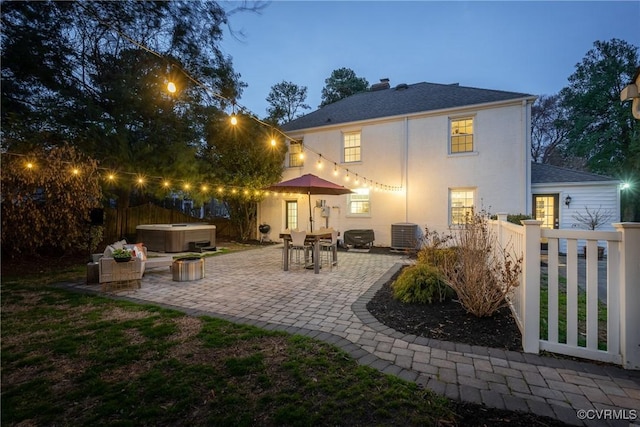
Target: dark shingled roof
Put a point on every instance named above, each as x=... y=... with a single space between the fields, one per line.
x=399 y=100
x=546 y=174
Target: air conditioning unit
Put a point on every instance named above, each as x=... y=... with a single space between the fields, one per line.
x=404 y=236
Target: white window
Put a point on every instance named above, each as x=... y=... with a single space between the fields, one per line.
x=296 y=155
x=291 y=220
x=461 y=135
x=351 y=143
x=461 y=205
x=359 y=202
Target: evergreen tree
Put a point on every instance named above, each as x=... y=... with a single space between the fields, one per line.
x=342 y=83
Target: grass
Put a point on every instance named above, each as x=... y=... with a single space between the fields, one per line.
x=562 y=314
x=79 y=359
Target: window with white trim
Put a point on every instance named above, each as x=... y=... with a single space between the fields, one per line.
x=351 y=144
x=291 y=220
x=461 y=135
x=296 y=156
x=360 y=202
x=461 y=203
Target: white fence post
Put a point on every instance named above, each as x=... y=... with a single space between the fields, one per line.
x=630 y=294
x=531 y=283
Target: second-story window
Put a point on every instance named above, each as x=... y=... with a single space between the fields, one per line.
x=296 y=156
x=351 y=143
x=461 y=135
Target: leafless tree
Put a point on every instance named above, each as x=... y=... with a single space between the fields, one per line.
x=548 y=130
x=592 y=219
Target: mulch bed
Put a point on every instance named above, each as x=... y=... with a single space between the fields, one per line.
x=446 y=321
x=450 y=322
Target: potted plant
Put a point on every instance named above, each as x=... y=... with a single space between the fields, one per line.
x=121 y=255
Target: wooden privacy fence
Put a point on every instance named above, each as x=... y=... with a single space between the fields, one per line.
x=578 y=326
x=122 y=224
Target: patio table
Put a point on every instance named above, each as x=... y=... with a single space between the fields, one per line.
x=314 y=238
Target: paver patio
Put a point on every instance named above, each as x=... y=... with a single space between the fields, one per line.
x=250 y=287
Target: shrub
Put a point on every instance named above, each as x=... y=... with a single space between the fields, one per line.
x=483 y=273
x=45 y=207
x=436 y=257
x=421 y=283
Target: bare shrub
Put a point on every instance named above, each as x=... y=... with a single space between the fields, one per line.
x=481 y=273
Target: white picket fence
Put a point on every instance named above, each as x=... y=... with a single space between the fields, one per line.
x=622 y=325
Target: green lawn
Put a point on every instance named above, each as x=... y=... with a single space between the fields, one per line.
x=562 y=314
x=79 y=359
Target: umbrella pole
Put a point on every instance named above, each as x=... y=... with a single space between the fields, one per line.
x=310 y=212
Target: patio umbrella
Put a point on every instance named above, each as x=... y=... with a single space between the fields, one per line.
x=309 y=184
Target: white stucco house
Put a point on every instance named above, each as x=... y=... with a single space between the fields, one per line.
x=429 y=153
x=422 y=154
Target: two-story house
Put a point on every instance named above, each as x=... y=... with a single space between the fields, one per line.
x=423 y=154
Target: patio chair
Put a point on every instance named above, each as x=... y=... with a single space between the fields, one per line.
x=327 y=247
x=299 y=247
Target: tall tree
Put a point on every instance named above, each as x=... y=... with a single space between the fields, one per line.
x=93 y=74
x=285 y=99
x=244 y=160
x=603 y=129
x=548 y=130
x=342 y=83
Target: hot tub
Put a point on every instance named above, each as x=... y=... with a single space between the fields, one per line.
x=175 y=237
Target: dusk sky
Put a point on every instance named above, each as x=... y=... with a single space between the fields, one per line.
x=530 y=47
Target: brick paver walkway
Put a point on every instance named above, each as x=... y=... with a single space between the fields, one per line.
x=250 y=287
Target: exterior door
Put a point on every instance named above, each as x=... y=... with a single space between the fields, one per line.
x=291 y=215
x=546 y=210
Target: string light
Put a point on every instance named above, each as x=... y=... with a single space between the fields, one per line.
x=172 y=88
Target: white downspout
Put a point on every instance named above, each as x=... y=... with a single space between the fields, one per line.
x=406 y=169
x=526 y=124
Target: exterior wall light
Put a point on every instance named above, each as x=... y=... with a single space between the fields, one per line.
x=567 y=200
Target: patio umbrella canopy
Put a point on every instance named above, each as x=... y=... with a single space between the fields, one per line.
x=309 y=184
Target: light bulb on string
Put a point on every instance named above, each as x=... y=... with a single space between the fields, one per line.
x=319 y=164
x=357 y=180
x=75 y=171
x=335 y=169
x=171 y=87
x=273 y=142
x=346 y=178
x=29 y=165
x=166 y=184
x=234 y=119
